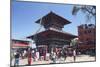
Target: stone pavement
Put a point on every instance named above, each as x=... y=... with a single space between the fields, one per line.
x=79 y=58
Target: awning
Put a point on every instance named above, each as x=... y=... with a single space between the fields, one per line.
x=19 y=46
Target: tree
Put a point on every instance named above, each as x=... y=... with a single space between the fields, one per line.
x=74 y=43
x=89 y=11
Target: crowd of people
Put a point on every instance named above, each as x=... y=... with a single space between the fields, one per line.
x=34 y=55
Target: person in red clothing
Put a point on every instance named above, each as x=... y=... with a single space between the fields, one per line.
x=29 y=56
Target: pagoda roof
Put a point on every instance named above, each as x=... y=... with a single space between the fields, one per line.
x=53 y=17
x=49 y=31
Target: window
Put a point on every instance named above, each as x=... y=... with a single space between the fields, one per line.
x=85 y=32
x=80 y=33
x=89 y=31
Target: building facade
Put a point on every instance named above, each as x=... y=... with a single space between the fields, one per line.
x=19 y=45
x=87 y=36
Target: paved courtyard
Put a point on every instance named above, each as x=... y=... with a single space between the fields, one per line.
x=79 y=58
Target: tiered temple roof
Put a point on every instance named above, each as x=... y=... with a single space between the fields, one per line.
x=53 y=24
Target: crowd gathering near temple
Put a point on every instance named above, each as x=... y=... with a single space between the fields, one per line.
x=53 y=43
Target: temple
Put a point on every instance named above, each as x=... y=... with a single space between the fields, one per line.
x=53 y=37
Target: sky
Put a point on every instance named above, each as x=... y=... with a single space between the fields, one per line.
x=24 y=15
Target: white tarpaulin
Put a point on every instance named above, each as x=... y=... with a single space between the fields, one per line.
x=32 y=44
